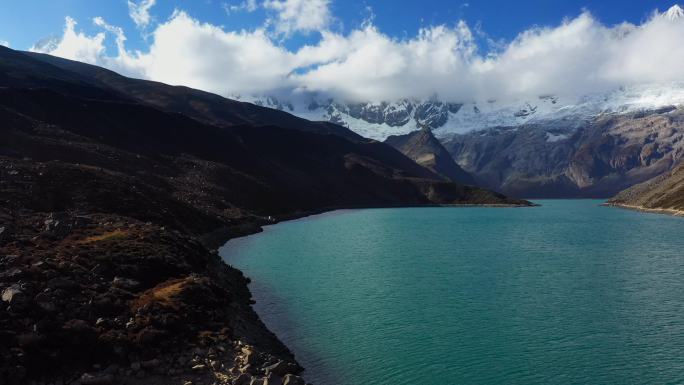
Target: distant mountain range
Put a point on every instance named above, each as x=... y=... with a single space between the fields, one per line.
x=383 y=119
x=548 y=146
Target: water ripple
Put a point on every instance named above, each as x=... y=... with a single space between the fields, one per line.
x=568 y=293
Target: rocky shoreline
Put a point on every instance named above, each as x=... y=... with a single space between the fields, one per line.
x=677 y=213
x=99 y=299
x=96 y=299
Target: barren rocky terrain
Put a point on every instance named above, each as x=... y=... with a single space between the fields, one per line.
x=664 y=194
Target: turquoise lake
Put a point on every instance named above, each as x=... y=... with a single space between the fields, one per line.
x=566 y=293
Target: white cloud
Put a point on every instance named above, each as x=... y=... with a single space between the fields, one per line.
x=368 y=65
x=207 y=57
x=125 y=62
x=75 y=45
x=580 y=55
x=246 y=5
x=140 y=11
x=299 y=15
x=4 y=43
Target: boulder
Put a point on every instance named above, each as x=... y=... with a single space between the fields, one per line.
x=62 y=283
x=125 y=283
x=273 y=379
x=291 y=379
x=243 y=379
x=12 y=292
x=60 y=225
x=250 y=355
x=47 y=306
x=91 y=379
x=57 y=224
x=5 y=234
x=150 y=364
x=11 y=274
x=45 y=302
x=281 y=368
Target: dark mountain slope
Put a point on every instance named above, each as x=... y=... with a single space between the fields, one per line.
x=427 y=151
x=288 y=170
x=664 y=193
x=107 y=208
x=19 y=70
x=200 y=105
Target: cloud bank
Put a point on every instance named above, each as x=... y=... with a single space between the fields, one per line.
x=580 y=55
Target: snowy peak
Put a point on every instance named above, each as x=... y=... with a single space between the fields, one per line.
x=674 y=13
x=382 y=119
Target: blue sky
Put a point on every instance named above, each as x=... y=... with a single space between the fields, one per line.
x=370 y=50
x=23 y=23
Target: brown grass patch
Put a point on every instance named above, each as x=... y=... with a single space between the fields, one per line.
x=115 y=235
x=163 y=294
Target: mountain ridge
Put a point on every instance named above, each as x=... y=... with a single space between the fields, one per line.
x=204 y=106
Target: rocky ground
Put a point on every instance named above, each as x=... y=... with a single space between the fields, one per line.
x=95 y=299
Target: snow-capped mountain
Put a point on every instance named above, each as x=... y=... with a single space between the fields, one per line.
x=380 y=120
x=547 y=146
x=674 y=13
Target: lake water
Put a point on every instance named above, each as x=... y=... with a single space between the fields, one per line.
x=566 y=293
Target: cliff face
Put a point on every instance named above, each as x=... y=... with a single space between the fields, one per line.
x=109 y=206
x=664 y=193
